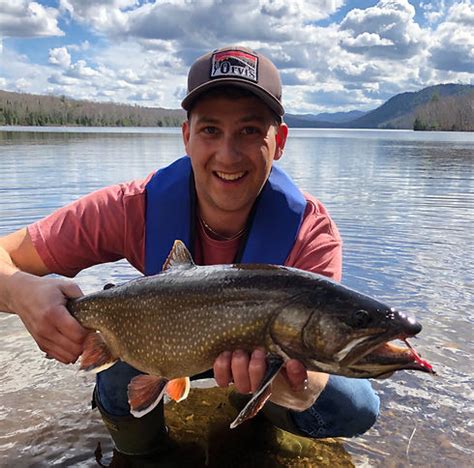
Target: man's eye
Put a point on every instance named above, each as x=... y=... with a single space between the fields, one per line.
x=250 y=130
x=210 y=130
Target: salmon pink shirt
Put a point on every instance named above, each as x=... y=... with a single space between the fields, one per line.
x=109 y=224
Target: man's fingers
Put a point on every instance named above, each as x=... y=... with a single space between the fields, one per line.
x=257 y=367
x=70 y=289
x=55 y=351
x=222 y=369
x=296 y=374
x=240 y=371
x=69 y=326
x=60 y=331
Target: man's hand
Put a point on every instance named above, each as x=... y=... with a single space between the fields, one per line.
x=293 y=387
x=40 y=304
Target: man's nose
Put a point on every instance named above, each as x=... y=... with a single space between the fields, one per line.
x=229 y=150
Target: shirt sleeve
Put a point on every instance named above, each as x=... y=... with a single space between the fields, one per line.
x=318 y=247
x=104 y=226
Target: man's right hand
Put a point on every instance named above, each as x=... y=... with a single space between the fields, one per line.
x=40 y=304
x=39 y=301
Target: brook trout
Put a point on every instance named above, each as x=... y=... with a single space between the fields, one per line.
x=173 y=325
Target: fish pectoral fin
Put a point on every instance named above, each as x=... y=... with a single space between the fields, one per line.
x=144 y=393
x=260 y=397
x=96 y=356
x=178 y=389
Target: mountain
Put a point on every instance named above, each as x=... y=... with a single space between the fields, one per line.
x=399 y=111
x=323 y=120
x=306 y=121
x=339 y=117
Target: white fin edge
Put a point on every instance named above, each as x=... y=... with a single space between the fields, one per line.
x=103 y=367
x=186 y=390
x=140 y=414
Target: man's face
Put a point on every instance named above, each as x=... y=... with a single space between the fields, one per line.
x=232 y=144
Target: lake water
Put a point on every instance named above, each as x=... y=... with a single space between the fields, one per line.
x=404 y=203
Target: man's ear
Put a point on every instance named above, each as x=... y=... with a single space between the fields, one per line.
x=185 y=131
x=280 y=138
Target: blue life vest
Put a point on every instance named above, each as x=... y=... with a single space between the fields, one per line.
x=170 y=215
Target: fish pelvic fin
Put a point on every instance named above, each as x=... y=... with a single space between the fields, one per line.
x=260 y=397
x=179 y=256
x=96 y=356
x=144 y=393
x=178 y=389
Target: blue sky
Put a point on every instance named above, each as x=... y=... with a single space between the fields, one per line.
x=334 y=55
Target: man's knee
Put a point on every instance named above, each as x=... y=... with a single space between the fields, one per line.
x=346 y=408
x=111 y=388
x=362 y=409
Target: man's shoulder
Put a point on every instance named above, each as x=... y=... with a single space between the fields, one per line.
x=132 y=188
x=314 y=207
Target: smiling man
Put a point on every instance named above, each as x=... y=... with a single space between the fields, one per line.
x=229 y=203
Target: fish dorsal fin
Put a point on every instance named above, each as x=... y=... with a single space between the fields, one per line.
x=179 y=257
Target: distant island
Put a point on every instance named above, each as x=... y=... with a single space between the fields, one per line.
x=441 y=107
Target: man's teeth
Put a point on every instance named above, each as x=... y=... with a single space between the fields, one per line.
x=227 y=176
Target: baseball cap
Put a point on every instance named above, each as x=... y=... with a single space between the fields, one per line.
x=237 y=66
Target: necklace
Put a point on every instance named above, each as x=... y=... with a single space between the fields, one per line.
x=220 y=236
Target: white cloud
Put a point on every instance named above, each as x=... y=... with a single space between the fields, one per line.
x=22 y=84
x=85 y=45
x=433 y=11
x=201 y=25
x=453 y=40
x=23 y=18
x=81 y=70
x=462 y=13
x=385 y=30
x=144 y=49
x=60 y=56
x=366 y=40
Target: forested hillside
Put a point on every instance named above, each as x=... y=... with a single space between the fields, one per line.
x=440 y=107
x=31 y=109
x=400 y=110
x=448 y=113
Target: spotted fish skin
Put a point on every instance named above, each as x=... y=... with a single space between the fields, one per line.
x=176 y=323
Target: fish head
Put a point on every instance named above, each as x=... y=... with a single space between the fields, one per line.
x=349 y=331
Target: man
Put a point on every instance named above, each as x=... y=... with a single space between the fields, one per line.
x=228 y=203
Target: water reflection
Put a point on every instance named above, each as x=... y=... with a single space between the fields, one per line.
x=404 y=203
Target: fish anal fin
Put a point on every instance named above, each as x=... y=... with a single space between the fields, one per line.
x=178 y=389
x=260 y=397
x=179 y=256
x=96 y=356
x=144 y=393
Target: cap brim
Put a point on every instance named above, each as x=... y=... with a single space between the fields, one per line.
x=261 y=93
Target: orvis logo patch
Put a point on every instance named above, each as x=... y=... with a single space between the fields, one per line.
x=234 y=63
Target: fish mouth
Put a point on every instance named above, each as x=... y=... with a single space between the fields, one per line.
x=375 y=347
x=389 y=357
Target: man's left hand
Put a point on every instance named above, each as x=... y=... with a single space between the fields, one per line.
x=293 y=387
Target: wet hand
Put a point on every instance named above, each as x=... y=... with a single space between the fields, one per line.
x=40 y=304
x=292 y=387
x=238 y=367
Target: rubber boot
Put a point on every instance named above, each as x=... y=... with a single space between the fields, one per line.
x=136 y=436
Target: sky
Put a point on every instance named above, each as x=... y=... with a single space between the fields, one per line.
x=333 y=55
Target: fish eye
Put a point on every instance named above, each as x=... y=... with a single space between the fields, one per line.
x=360 y=318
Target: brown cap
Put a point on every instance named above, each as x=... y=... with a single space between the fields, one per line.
x=236 y=66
